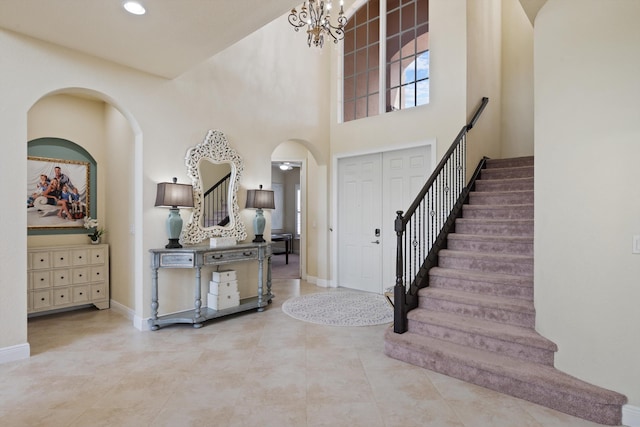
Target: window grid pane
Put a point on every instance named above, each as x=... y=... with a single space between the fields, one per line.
x=406 y=74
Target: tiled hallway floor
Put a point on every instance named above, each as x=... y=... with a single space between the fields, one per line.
x=93 y=368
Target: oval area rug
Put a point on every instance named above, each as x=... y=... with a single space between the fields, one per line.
x=340 y=308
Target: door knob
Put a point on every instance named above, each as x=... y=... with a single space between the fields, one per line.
x=377 y=242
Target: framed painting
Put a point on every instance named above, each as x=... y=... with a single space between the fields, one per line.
x=58 y=193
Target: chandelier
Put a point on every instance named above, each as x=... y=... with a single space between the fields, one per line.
x=318 y=21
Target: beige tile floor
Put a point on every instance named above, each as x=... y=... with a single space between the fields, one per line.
x=92 y=368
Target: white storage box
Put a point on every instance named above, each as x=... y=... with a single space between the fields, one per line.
x=221 y=242
x=223 y=288
x=223 y=275
x=220 y=302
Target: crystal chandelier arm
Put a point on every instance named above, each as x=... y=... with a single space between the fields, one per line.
x=298 y=20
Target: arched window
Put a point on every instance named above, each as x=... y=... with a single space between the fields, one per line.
x=404 y=82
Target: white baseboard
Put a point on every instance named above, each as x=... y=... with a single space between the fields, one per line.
x=631 y=416
x=323 y=283
x=139 y=323
x=15 y=352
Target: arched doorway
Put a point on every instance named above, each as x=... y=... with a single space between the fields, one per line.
x=108 y=131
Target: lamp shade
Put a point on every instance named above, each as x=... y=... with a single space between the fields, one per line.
x=260 y=199
x=174 y=195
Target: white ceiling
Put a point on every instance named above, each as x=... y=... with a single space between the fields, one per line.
x=172 y=37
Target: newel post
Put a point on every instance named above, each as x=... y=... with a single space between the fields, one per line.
x=399 y=292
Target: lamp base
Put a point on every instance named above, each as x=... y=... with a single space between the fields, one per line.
x=258 y=239
x=173 y=244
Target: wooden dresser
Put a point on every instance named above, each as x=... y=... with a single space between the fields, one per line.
x=67 y=276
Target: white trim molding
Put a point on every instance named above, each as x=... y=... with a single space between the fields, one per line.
x=631 y=416
x=15 y=352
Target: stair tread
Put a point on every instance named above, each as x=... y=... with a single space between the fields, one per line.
x=490 y=237
x=508 y=279
x=502 y=192
x=494 y=206
x=543 y=376
x=475 y=299
x=484 y=255
x=497 y=163
x=481 y=220
x=502 y=331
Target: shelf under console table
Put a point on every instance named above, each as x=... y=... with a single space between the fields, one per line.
x=204 y=256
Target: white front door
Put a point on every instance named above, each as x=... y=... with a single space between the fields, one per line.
x=371 y=188
x=359 y=215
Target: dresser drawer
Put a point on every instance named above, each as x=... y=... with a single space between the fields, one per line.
x=81 y=293
x=98 y=291
x=60 y=259
x=79 y=257
x=41 y=300
x=61 y=296
x=40 y=280
x=39 y=260
x=98 y=274
x=81 y=275
x=98 y=255
x=229 y=256
x=61 y=277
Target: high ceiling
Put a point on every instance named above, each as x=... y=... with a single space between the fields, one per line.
x=172 y=37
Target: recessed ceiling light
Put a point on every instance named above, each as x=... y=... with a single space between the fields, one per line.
x=134 y=8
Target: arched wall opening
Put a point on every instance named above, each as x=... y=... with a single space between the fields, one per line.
x=310 y=239
x=109 y=132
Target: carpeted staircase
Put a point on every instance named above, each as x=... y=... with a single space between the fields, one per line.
x=476 y=320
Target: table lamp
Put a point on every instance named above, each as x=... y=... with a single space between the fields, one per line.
x=258 y=200
x=174 y=195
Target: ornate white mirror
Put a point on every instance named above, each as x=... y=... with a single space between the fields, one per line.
x=215 y=170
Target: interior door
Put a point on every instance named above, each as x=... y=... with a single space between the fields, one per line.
x=404 y=174
x=359 y=216
x=371 y=188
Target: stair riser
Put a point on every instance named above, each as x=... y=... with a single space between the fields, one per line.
x=520 y=212
x=525 y=319
x=492 y=229
x=510 y=163
x=507 y=266
x=484 y=288
x=504 y=185
x=501 y=198
x=512 y=248
x=556 y=399
x=507 y=173
x=520 y=351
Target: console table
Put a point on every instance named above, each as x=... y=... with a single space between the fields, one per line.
x=203 y=256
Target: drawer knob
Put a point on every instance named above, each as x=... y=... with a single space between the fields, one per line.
x=61 y=258
x=247 y=253
x=41 y=260
x=61 y=296
x=98 y=291
x=42 y=299
x=81 y=293
x=218 y=256
x=42 y=279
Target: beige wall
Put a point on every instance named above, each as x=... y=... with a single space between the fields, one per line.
x=517 y=81
x=165 y=118
x=587 y=146
x=483 y=79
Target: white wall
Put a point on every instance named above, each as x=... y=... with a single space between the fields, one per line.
x=587 y=146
